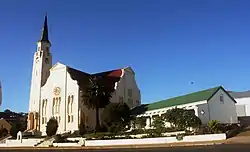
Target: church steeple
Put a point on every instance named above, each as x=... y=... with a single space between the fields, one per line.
x=45 y=33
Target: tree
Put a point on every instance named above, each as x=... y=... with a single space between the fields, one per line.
x=159 y=125
x=175 y=117
x=97 y=95
x=140 y=122
x=52 y=126
x=191 y=120
x=116 y=116
x=182 y=118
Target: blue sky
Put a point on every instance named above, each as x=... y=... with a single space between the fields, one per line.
x=168 y=43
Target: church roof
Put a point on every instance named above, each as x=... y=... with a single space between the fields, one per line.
x=82 y=78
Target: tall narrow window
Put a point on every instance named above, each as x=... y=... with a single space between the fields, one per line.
x=68 y=105
x=71 y=106
x=53 y=107
x=59 y=103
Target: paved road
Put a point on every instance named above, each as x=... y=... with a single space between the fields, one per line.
x=216 y=148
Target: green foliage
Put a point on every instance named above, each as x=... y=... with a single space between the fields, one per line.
x=214 y=126
x=116 y=116
x=159 y=125
x=97 y=95
x=15 y=127
x=182 y=119
x=52 y=126
x=140 y=122
x=82 y=129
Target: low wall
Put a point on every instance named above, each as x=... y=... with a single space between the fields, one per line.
x=160 y=140
x=18 y=143
x=66 y=145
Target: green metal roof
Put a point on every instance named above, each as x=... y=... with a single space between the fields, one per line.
x=185 y=99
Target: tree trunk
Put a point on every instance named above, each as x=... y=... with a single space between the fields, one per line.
x=97 y=126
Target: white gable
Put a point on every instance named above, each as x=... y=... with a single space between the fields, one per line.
x=58 y=65
x=129 y=69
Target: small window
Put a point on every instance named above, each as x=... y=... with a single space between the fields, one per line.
x=130 y=92
x=222 y=98
x=120 y=99
x=137 y=102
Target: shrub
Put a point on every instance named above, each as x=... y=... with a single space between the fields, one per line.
x=52 y=126
x=116 y=116
x=82 y=129
x=3 y=132
x=140 y=122
x=159 y=125
x=214 y=126
x=59 y=139
x=15 y=127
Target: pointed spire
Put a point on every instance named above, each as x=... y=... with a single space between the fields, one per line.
x=45 y=33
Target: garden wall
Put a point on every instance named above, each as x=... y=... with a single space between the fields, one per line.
x=160 y=140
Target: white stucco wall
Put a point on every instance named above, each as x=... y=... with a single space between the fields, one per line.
x=60 y=78
x=72 y=89
x=224 y=112
x=127 y=82
x=243 y=102
x=40 y=73
x=56 y=79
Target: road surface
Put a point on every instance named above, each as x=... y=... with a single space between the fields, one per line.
x=215 y=148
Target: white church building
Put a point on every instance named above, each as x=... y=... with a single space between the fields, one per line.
x=55 y=91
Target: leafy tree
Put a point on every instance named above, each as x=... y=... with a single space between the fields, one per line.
x=182 y=118
x=159 y=125
x=52 y=126
x=191 y=120
x=140 y=122
x=15 y=127
x=97 y=95
x=175 y=117
x=116 y=116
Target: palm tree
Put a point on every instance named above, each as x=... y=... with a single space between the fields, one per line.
x=97 y=95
